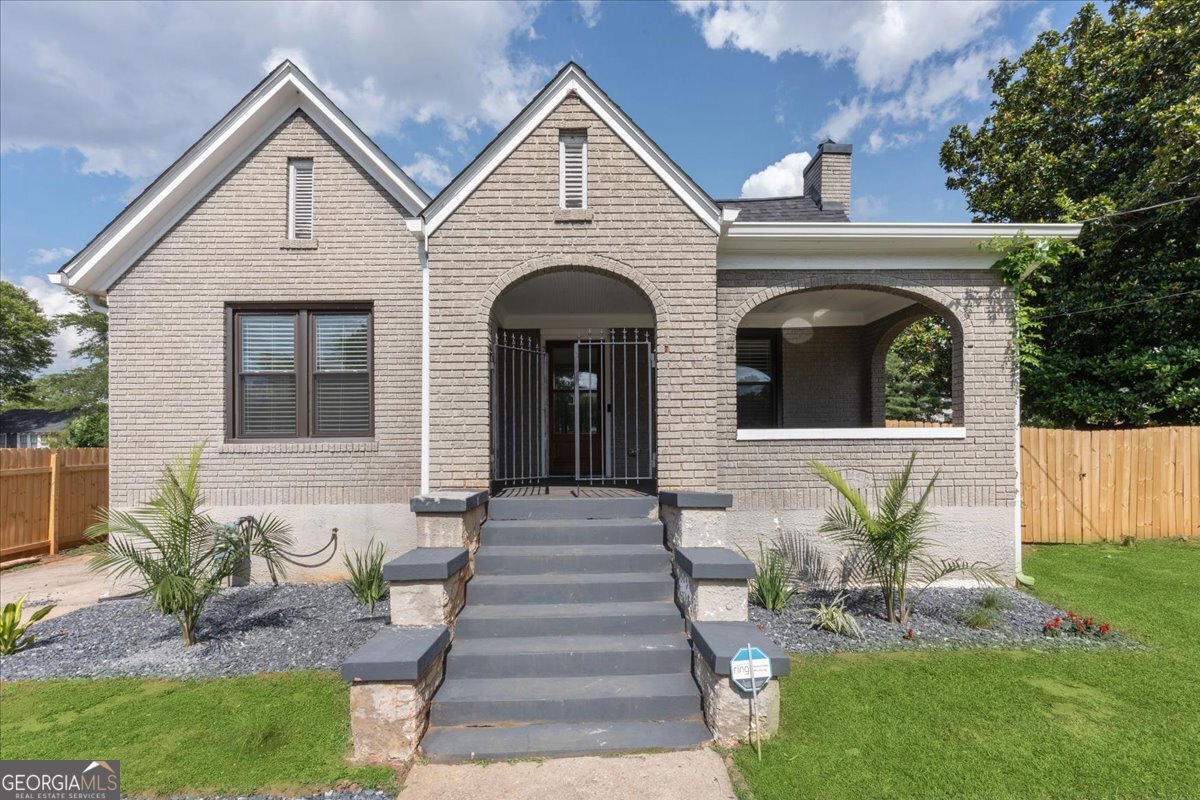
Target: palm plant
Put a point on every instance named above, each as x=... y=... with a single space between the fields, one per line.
x=175 y=552
x=15 y=635
x=891 y=541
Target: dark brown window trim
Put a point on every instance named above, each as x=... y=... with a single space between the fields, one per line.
x=305 y=370
x=772 y=334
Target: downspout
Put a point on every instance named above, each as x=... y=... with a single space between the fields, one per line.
x=1022 y=578
x=417 y=227
x=93 y=303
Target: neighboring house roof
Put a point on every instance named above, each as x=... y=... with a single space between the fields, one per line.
x=186 y=182
x=34 y=420
x=570 y=79
x=797 y=208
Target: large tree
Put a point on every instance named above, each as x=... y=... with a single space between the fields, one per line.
x=84 y=388
x=1103 y=117
x=26 y=344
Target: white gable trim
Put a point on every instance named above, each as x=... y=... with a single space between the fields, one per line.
x=287 y=90
x=571 y=79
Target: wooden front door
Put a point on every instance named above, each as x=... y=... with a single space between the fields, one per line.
x=564 y=374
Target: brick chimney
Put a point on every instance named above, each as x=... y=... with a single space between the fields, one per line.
x=827 y=177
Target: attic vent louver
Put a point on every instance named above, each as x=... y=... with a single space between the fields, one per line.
x=300 y=198
x=572 y=148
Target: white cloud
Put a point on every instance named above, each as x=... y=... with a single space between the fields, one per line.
x=782 y=179
x=433 y=173
x=132 y=85
x=55 y=300
x=589 y=12
x=883 y=39
x=868 y=207
x=918 y=64
x=50 y=255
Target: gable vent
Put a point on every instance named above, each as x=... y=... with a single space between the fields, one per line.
x=300 y=198
x=572 y=149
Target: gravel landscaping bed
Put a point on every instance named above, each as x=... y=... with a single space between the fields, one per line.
x=258 y=628
x=936 y=624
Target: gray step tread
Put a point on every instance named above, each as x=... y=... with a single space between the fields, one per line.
x=469 y=743
x=461 y=690
x=573 y=577
x=557 y=610
x=559 y=524
x=501 y=645
x=534 y=550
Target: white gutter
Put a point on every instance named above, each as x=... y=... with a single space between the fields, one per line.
x=874 y=231
x=416 y=226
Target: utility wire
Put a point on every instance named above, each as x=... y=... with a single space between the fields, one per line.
x=1144 y=208
x=1118 y=305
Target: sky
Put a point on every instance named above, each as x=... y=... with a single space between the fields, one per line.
x=97 y=98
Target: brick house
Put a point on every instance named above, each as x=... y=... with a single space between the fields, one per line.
x=571 y=310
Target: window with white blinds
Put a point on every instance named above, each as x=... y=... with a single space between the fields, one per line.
x=300 y=198
x=572 y=148
x=302 y=373
x=341 y=380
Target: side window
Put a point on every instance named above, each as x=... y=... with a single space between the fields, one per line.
x=301 y=373
x=757 y=380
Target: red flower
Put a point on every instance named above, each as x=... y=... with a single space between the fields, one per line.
x=1104 y=629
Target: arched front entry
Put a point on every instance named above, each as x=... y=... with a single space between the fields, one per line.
x=572 y=369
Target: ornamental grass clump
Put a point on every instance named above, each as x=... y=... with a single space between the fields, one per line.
x=834 y=617
x=176 y=554
x=772 y=587
x=366 y=574
x=890 y=543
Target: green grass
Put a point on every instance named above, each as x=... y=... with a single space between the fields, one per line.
x=984 y=724
x=247 y=735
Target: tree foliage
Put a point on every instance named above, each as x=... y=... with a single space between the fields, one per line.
x=1101 y=117
x=26 y=343
x=919 y=365
x=83 y=388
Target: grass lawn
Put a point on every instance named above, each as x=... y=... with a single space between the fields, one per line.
x=1011 y=724
x=243 y=735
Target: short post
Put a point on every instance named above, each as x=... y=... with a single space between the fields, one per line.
x=52 y=532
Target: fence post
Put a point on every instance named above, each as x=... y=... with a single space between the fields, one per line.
x=52 y=534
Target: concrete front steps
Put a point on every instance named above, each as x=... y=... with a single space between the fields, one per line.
x=570 y=642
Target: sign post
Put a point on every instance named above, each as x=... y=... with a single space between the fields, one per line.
x=750 y=671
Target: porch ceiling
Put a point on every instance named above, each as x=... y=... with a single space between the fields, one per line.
x=825 y=308
x=572 y=294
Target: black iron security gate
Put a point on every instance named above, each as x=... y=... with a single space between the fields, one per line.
x=577 y=411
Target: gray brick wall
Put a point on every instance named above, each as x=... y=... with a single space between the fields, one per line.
x=976 y=471
x=168 y=336
x=640 y=231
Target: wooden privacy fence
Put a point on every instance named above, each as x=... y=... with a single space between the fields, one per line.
x=1089 y=486
x=49 y=497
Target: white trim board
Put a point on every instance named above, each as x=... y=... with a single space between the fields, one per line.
x=796 y=434
x=571 y=80
x=144 y=221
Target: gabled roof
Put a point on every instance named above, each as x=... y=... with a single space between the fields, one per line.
x=175 y=192
x=570 y=78
x=797 y=208
x=34 y=420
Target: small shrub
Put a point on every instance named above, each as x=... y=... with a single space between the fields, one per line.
x=910 y=635
x=772 y=587
x=366 y=574
x=981 y=618
x=1075 y=625
x=14 y=636
x=994 y=599
x=834 y=617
